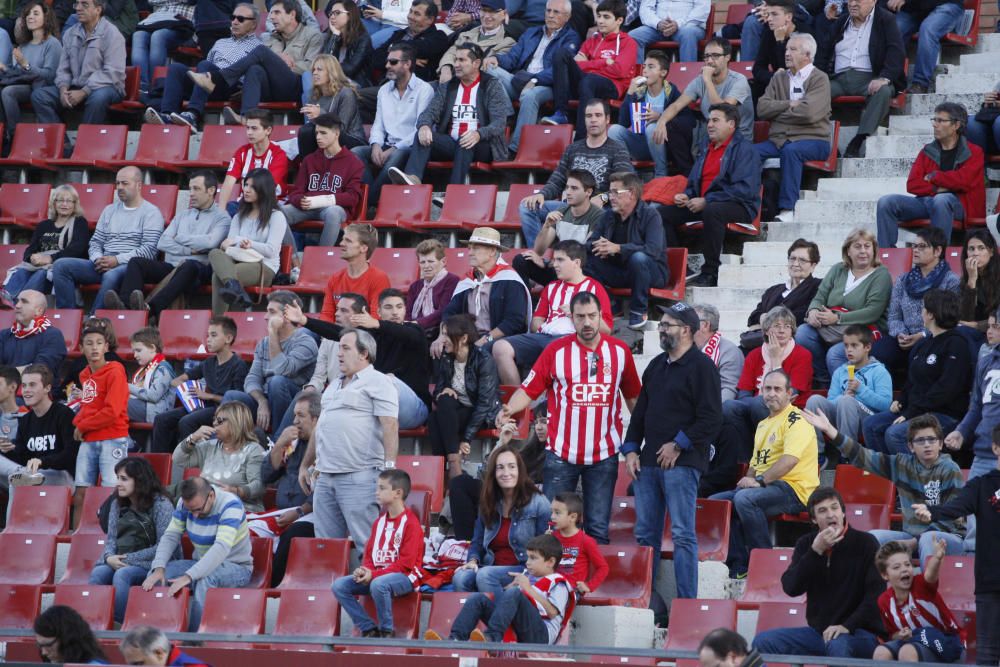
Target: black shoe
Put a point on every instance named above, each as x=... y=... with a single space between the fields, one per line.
x=917 y=89
x=137 y=301
x=387 y=634
x=112 y=302
x=857 y=146
x=690 y=274
x=374 y=632
x=704 y=280
x=231 y=291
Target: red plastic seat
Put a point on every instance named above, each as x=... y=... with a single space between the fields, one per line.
x=218 y=143
x=156 y=608
x=309 y=613
x=405 y=615
x=751 y=228
x=183 y=332
x=24 y=204
x=131 y=102
x=314 y=563
x=630 y=580
x=19 y=605
x=445 y=608
x=419 y=501
x=736 y=15
x=94 y=198
x=126 y=323
x=774 y=615
x=621 y=527
x=93 y=143
x=866 y=516
x=252 y=327
x=897 y=102
x=157 y=143
x=972 y=37
x=681 y=74
x=262 y=551
x=33 y=142
x=957 y=583
x=39 y=510
x=234 y=611
x=163 y=197
x=744 y=67
x=68 y=321
x=471 y=205
x=162 y=465
x=283 y=132
x=691 y=619
x=93 y=498
x=860 y=486
x=764 y=578
x=511 y=220
x=85 y=549
x=318 y=264
x=677 y=285
x=711 y=527
x=540 y=149
x=952 y=255
x=27 y=559
x=426 y=473
x=897 y=260
x=829 y=165
x=400 y=264
x=402 y=207
x=95 y=603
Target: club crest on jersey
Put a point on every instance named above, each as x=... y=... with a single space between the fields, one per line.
x=89 y=391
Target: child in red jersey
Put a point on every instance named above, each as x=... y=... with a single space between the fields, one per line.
x=919 y=624
x=582 y=563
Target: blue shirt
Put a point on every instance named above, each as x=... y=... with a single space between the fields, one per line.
x=396 y=116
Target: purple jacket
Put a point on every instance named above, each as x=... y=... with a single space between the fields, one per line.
x=440 y=296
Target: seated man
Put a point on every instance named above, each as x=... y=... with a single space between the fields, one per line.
x=931 y=21
x=627 y=248
x=551 y=320
x=490 y=36
x=217 y=525
x=282 y=362
x=420 y=31
x=271 y=72
x=783 y=472
x=464 y=122
x=427 y=297
x=32 y=339
x=784 y=18
x=723 y=187
x=178 y=86
x=91 y=72
x=681 y=22
x=185 y=244
x=127 y=229
x=602 y=68
x=258 y=153
x=357 y=246
x=727 y=356
x=146 y=645
x=946 y=180
x=327 y=186
x=723 y=646
x=797 y=102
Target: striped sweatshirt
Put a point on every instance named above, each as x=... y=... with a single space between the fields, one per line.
x=220 y=537
x=127 y=233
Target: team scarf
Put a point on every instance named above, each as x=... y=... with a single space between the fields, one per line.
x=144 y=375
x=37 y=326
x=713 y=348
x=423 y=305
x=475 y=279
x=547 y=584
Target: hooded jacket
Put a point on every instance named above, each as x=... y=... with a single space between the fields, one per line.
x=984 y=406
x=339 y=175
x=104 y=405
x=966 y=180
x=875 y=392
x=739 y=176
x=618 y=47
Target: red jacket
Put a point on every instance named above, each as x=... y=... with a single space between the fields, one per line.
x=619 y=47
x=966 y=180
x=104 y=405
x=339 y=175
x=396 y=545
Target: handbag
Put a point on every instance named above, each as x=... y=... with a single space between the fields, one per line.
x=750 y=340
x=988 y=113
x=244 y=255
x=832 y=333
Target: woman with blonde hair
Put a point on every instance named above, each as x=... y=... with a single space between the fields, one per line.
x=63 y=234
x=332 y=92
x=228 y=454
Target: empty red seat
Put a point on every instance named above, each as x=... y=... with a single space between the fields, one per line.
x=419 y=501
x=218 y=143
x=252 y=327
x=157 y=143
x=284 y=132
x=860 y=486
x=262 y=550
x=691 y=619
x=183 y=332
x=764 y=578
x=163 y=197
x=234 y=611
x=445 y=607
x=866 y=516
x=426 y=473
x=540 y=149
x=93 y=143
x=95 y=603
x=94 y=198
x=125 y=323
x=93 y=498
x=68 y=321
x=774 y=615
x=314 y=563
x=156 y=608
x=464 y=205
x=27 y=559
x=957 y=583
x=39 y=510
x=402 y=207
x=630 y=580
x=162 y=465
x=318 y=264
x=405 y=615
x=400 y=264
x=952 y=254
x=33 y=142
x=307 y=613
x=19 y=605
x=711 y=527
x=621 y=527
x=85 y=550
x=24 y=204
x=896 y=260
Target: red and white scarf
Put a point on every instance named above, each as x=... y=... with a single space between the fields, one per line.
x=423 y=305
x=144 y=375
x=547 y=584
x=502 y=271
x=37 y=326
x=713 y=348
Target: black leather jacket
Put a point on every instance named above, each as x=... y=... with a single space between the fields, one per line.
x=482 y=384
x=356 y=62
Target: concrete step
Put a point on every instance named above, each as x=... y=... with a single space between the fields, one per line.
x=975 y=63
x=905 y=125
x=923 y=105
x=724 y=298
x=906 y=145
x=988 y=41
x=776 y=252
x=859 y=188
x=759 y=276
x=978 y=82
x=848 y=212
x=831 y=231
x=881 y=167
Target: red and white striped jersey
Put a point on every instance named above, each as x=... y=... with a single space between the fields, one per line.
x=396 y=545
x=273 y=159
x=924 y=608
x=465 y=114
x=585 y=396
x=559 y=293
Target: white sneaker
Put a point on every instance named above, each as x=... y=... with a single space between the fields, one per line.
x=25 y=478
x=785 y=216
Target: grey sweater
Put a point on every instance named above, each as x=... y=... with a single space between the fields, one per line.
x=42 y=58
x=192 y=234
x=241 y=468
x=296 y=361
x=266 y=241
x=127 y=233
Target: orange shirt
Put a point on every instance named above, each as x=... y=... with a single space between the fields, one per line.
x=369 y=285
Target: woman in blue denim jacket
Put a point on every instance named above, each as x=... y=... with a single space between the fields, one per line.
x=511 y=512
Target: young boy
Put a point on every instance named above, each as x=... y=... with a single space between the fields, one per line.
x=150 y=392
x=981 y=496
x=10 y=412
x=925 y=475
x=582 y=563
x=393 y=555
x=534 y=607
x=916 y=618
x=223 y=371
x=859 y=388
x=258 y=153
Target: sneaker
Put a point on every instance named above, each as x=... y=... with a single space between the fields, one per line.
x=372 y=632
x=431 y=636
x=438 y=200
x=154 y=117
x=230 y=117
x=637 y=321
x=691 y=273
x=385 y=634
x=399 y=177
x=137 y=301
x=25 y=478
x=916 y=89
x=477 y=636
x=203 y=80
x=785 y=215
x=6 y=300
x=112 y=301
x=857 y=146
x=293 y=275
x=704 y=280
x=558 y=118
x=188 y=118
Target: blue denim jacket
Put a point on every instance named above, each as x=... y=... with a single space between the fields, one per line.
x=525 y=523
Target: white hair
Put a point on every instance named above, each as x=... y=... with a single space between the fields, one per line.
x=808 y=43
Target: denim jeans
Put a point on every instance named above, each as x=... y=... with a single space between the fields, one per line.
x=824 y=355
x=658 y=491
x=6 y=48
x=749 y=529
x=559 y=476
x=45 y=102
x=279 y=391
x=331 y=216
x=444 y=147
x=750 y=35
x=344 y=505
x=21 y=280
x=845 y=412
x=687 y=37
x=743 y=414
x=984 y=135
x=793 y=155
x=640 y=273
x=807 y=641
x=512 y=609
x=881 y=435
x=530 y=99
x=412 y=410
x=531 y=221
x=487 y=579
x=382 y=590
x=642 y=147
x=178 y=86
x=942 y=20
x=377 y=177
x=954 y=545
x=99 y=457
x=150 y=49
x=932 y=645
x=226 y=575
x=942 y=209
x=122 y=579
x=69 y=273
x=266 y=78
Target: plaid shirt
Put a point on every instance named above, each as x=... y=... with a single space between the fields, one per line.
x=470 y=7
x=230 y=50
x=177 y=8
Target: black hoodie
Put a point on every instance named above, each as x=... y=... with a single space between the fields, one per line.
x=981 y=496
x=49 y=438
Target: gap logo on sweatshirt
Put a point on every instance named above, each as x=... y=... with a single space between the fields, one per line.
x=321 y=182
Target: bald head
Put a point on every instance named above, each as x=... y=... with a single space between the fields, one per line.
x=128 y=183
x=30 y=306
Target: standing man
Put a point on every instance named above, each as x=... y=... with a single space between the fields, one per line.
x=681 y=21
x=678 y=414
x=726 y=356
x=587 y=376
x=32 y=339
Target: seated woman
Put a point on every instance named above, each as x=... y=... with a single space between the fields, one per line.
x=855 y=291
x=168 y=26
x=34 y=62
x=348 y=42
x=984 y=127
x=332 y=92
x=138 y=516
x=228 y=454
x=466 y=392
x=511 y=512
x=63 y=234
x=980 y=287
x=63 y=636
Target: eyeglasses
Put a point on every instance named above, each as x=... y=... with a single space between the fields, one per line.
x=663 y=326
x=928 y=440
x=48 y=644
x=203 y=505
x=799 y=260
x=780 y=326
x=714 y=56
x=938 y=121
x=219 y=420
x=240 y=19
x=392 y=61
x=920 y=246
x=337 y=12
x=617 y=193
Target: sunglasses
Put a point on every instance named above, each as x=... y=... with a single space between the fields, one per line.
x=392 y=61
x=240 y=19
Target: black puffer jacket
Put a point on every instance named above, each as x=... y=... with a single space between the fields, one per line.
x=482 y=384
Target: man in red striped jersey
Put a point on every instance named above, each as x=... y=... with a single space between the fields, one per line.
x=587 y=377
x=552 y=320
x=259 y=153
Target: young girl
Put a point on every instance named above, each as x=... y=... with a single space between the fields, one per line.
x=150 y=392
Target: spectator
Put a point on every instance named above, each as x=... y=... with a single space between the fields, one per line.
x=724 y=647
x=127 y=229
x=795 y=294
x=35 y=62
x=855 y=291
x=638 y=133
x=595 y=153
x=216 y=523
x=150 y=391
x=168 y=26
x=90 y=77
x=553 y=317
x=678 y=415
x=627 y=249
x=723 y=187
x=32 y=339
x=327 y=363
x=946 y=180
x=251 y=252
x=185 y=243
x=62 y=635
x=357 y=245
x=932 y=21
x=601 y=69
x=356 y=436
x=980 y=286
x=328 y=184
x=983 y=129
x=227 y=454
x=782 y=473
x=382 y=24
x=178 y=86
x=526 y=70
x=348 y=42
x=222 y=371
x=391 y=566
x=525 y=14
x=283 y=361
x=586 y=408
x=427 y=297
x=138 y=515
x=491 y=292
x=797 y=102
x=146 y=645
x=992 y=337
x=582 y=562
x=332 y=93
x=400 y=101
x=212 y=22
x=258 y=153
x=490 y=36
x=464 y=122
x=723 y=353
x=70 y=380
x=834 y=566
x=511 y=513
x=864 y=55
x=429 y=43
x=937 y=378
x=681 y=21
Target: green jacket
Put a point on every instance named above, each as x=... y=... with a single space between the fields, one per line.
x=867 y=303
